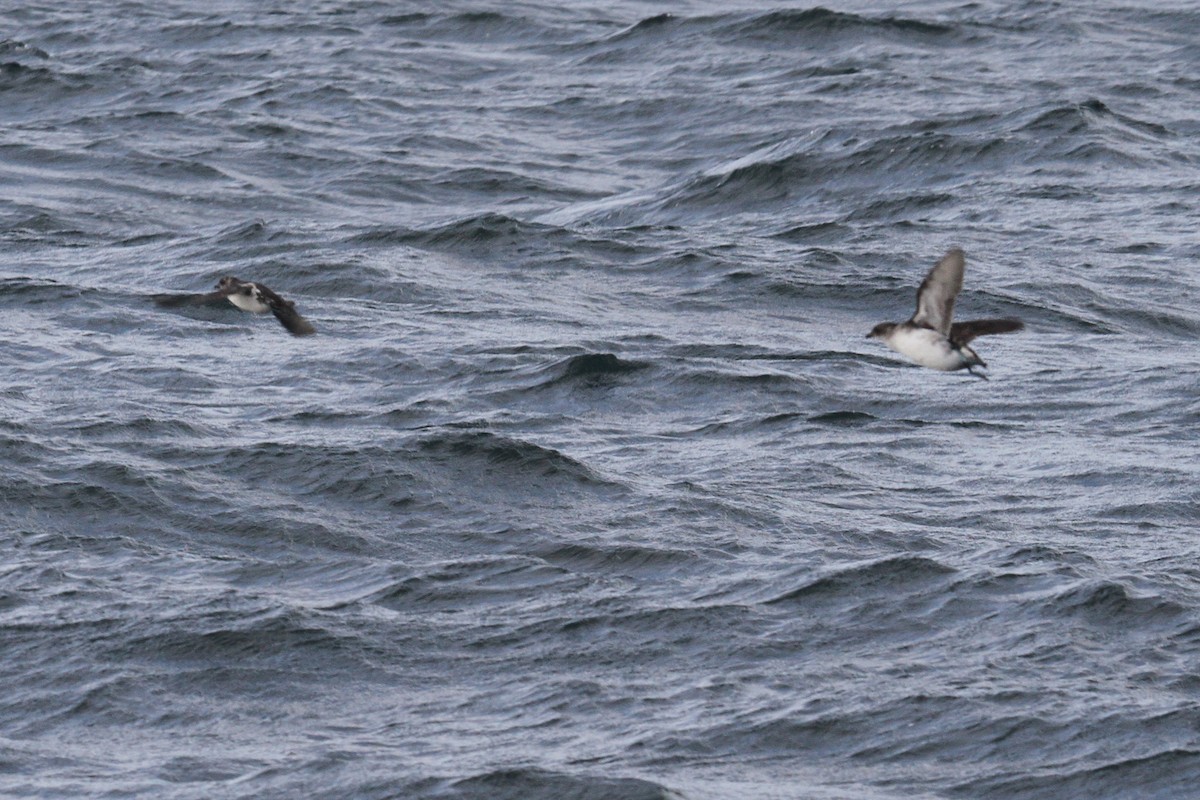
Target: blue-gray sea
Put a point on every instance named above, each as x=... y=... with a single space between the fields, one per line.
x=590 y=486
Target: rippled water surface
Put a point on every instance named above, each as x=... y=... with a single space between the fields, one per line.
x=589 y=485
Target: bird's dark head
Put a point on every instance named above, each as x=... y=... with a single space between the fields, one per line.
x=882 y=330
x=229 y=282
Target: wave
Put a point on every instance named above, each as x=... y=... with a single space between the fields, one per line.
x=38 y=291
x=513 y=457
x=839 y=163
x=820 y=23
x=12 y=48
x=829 y=164
x=493 y=236
x=589 y=370
x=485 y=230
x=592 y=365
x=138 y=427
x=1092 y=308
x=1163 y=771
x=256 y=230
x=853 y=582
x=717 y=380
x=844 y=418
x=471 y=26
x=456 y=586
x=1113 y=604
x=815 y=233
x=617 y=558
x=20 y=82
x=1072 y=119
x=1079 y=134
x=816 y=25
x=648 y=25
x=537 y=784
x=250 y=649
x=503 y=184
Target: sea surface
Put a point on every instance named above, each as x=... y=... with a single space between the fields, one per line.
x=590 y=486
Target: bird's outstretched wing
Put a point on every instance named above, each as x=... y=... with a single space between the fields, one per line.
x=285 y=311
x=963 y=332
x=177 y=300
x=936 y=295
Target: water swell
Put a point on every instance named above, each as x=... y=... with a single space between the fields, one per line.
x=458 y=586
x=835 y=162
x=589 y=371
x=484 y=234
x=11 y=48
x=511 y=457
x=895 y=574
x=40 y=291
x=24 y=83
x=496 y=28
x=538 y=784
x=1162 y=772
x=816 y=26
x=617 y=559
x=819 y=24
x=1113 y=604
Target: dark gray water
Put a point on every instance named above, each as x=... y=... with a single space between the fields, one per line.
x=589 y=485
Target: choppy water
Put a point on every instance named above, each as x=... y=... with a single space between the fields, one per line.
x=590 y=486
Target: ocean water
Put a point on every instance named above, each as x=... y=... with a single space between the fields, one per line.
x=589 y=486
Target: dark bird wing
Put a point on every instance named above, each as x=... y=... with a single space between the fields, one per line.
x=963 y=332
x=177 y=300
x=290 y=318
x=936 y=295
x=285 y=311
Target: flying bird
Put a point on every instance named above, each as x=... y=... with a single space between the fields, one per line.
x=247 y=296
x=930 y=338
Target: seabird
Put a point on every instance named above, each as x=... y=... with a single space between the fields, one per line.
x=248 y=296
x=929 y=338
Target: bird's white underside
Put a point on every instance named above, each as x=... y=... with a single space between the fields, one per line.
x=926 y=347
x=249 y=302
